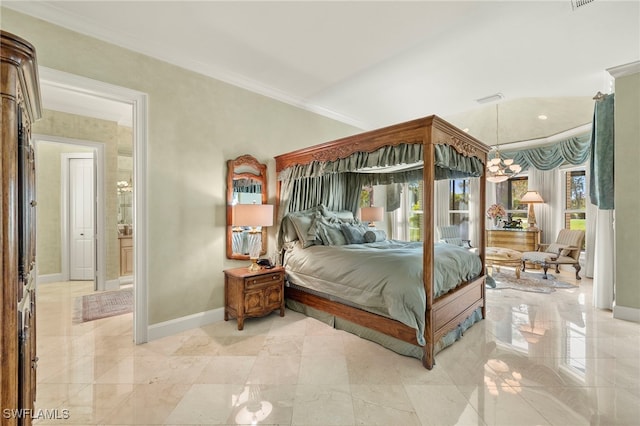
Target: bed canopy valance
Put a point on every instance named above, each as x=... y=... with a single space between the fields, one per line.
x=341 y=168
x=449 y=164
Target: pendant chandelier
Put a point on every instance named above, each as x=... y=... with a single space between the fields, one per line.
x=500 y=169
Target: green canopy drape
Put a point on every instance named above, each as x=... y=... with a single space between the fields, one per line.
x=337 y=185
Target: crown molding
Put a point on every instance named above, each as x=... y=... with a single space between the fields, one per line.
x=52 y=14
x=624 y=70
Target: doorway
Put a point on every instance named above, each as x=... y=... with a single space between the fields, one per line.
x=92 y=92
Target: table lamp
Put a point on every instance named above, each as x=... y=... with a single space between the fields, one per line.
x=371 y=215
x=531 y=198
x=254 y=216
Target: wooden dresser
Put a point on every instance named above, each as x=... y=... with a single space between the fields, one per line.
x=514 y=239
x=21 y=106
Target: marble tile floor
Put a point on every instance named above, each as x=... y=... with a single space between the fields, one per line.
x=537 y=359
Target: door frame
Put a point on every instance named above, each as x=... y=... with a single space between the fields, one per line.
x=139 y=104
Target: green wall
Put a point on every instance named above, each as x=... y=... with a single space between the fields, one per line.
x=627 y=182
x=196 y=124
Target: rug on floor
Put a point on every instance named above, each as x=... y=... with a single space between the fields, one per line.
x=102 y=305
x=531 y=282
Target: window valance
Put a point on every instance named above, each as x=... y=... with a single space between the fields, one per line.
x=574 y=151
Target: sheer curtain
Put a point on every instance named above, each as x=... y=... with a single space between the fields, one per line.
x=440 y=205
x=476 y=217
x=547 y=216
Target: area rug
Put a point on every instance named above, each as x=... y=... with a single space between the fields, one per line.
x=531 y=282
x=102 y=305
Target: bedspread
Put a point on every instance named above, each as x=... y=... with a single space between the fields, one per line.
x=383 y=277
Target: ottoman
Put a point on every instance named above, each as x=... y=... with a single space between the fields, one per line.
x=503 y=256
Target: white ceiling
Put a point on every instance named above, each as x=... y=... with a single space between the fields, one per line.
x=373 y=63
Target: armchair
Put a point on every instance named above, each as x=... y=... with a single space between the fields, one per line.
x=564 y=251
x=451 y=234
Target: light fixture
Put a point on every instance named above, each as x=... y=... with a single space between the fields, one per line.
x=371 y=214
x=255 y=216
x=499 y=169
x=531 y=198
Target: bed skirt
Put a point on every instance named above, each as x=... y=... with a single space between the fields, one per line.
x=396 y=345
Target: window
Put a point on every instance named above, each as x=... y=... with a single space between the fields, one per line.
x=459 y=205
x=416 y=218
x=575 y=199
x=509 y=193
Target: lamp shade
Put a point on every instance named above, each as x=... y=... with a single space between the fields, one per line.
x=253 y=215
x=371 y=214
x=531 y=197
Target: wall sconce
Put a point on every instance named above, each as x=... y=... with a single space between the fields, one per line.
x=531 y=198
x=255 y=216
x=371 y=214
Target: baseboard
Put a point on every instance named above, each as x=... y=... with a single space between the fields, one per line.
x=50 y=278
x=126 y=280
x=626 y=313
x=178 y=325
x=112 y=285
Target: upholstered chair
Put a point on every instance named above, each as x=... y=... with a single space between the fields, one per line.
x=564 y=251
x=450 y=234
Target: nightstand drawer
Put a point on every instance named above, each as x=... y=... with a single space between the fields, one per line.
x=260 y=280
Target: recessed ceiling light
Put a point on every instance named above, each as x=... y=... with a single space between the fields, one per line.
x=542 y=117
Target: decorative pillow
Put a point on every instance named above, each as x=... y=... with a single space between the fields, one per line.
x=353 y=233
x=288 y=230
x=343 y=215
x=562 y=248
x=303 y=222
x=330 y=232
x=374 y=235
x=454 y=241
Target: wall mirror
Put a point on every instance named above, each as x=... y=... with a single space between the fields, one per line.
x=246 y=184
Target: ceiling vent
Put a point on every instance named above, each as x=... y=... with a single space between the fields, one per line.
x=575 y=4
x=490 y=98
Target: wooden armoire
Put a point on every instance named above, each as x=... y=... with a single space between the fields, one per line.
x=20 y=107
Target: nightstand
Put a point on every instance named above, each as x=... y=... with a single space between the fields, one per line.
x=253 y=294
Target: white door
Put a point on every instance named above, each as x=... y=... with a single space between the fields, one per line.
x=81 y=219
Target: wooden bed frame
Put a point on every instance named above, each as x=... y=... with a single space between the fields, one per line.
x=445 y=313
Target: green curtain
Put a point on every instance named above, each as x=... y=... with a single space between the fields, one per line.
x=602 y=154
x=574 y=151
x=335 y=185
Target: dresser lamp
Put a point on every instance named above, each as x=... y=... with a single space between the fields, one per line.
x=371 y=215
x=255 y=216
x=531 y=198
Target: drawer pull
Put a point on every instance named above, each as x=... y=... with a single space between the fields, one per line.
x=275 y=277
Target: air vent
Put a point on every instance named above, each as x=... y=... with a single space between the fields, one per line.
x=490 y=98
x=575 y=4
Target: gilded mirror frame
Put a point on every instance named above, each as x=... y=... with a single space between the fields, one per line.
x=244 y=167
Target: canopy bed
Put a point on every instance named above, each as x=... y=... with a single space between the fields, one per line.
x=318 y=194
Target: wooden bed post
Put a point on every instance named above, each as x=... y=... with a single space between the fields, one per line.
x=428 y=359
x=482 y=205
